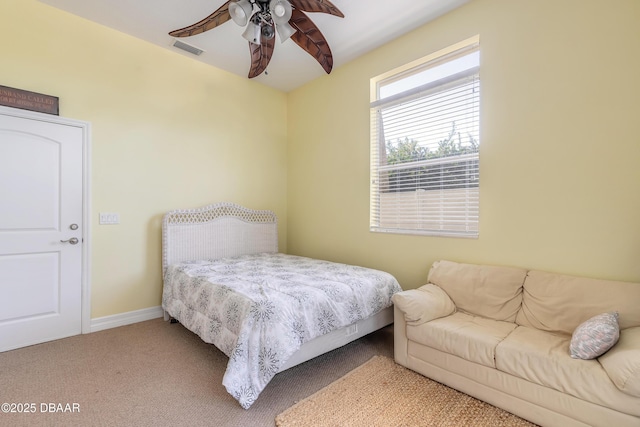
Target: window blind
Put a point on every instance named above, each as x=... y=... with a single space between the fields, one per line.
x=425 y=151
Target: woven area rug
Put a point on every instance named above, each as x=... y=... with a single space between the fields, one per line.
x=383 y=393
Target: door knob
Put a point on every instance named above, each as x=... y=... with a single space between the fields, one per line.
x=73 y=241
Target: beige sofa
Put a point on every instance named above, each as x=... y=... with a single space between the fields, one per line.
x=503 y=336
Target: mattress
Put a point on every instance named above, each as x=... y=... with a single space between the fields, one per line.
x=260 y=308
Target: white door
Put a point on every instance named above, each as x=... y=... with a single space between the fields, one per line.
x=41 y=229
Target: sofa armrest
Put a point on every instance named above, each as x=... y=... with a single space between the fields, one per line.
x=622 y=362
x=400 y=341
x=424 y=304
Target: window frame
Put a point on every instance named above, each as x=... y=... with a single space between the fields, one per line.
x=378 y=144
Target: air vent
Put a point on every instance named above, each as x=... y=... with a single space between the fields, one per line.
x=187 y=47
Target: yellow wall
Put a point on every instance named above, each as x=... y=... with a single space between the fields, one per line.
x=559 y=156
x=560 y=146
x=167 y=132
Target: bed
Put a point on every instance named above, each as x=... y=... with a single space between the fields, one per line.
x=225 y=280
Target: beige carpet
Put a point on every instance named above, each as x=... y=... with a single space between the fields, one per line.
x=383 y=393
x=156 y=374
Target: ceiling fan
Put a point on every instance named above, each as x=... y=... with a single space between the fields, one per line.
x=263 y=18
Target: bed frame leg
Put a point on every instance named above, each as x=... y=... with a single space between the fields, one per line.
x=168 y=318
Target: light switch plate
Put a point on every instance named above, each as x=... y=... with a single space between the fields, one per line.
x=109 y=218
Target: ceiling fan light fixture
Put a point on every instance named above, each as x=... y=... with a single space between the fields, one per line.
x=280 y=11
x=285 y=31
x=240 y=11
x=253 y=33
x=268 y=32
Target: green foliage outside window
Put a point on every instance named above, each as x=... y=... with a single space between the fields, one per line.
x=463 y=174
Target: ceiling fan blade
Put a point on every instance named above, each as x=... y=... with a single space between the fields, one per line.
x=260 y=56
x=309 y=38
x=218 y=17
x=324 y=6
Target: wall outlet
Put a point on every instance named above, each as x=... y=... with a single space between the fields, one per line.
x=109 y=218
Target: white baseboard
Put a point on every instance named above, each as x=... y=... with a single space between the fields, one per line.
x=122 y=319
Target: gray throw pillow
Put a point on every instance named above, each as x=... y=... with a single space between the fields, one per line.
x=595 y=336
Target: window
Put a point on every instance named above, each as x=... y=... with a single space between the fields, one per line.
x=425 y=139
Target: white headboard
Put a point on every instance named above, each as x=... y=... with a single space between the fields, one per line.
x=217 y=231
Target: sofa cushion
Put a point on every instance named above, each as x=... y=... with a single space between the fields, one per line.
x=622 y=362
x=470 y=337
x=595 y=336
x=558 y=303
x=424 y=304
x=489 y=291
x=543 y=358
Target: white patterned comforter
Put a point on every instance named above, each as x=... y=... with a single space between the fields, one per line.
x=259 y=309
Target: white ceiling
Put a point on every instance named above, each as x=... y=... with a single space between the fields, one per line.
x=367 y=24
